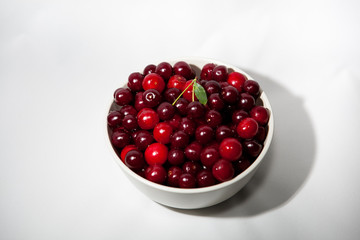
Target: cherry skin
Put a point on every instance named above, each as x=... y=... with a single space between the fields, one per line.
x=229 y=94
x=191 y=167
x=205 y=178
x=153 y=81
x=209 y=155
x=252 y=87
x=179 y=140
x=165 y=111
x=242 y=164
x=206 y=71
x=177 y=81
x=183 y=69
x=134 y=159
x=162 y=132
x=261 y=134
x=125 y=150
x=223 y=170
x=215 y=102
x=181 y=106
x=129 y=122
x=173 y=176
x=188 y=94
x=139 y=101
x=195 y=110
x=188 y=126
x=192 y=151
x=164 y=69
x=175 y=121
x=114 y=118
x=149 y=69
x=211 y=87
x=252 y=148
x=123 y=96
x=156 y=174
x=151 y=98
x=236 y=80
x=176 y=156
x=128 y=110
x=171 y=94
x=204 y=134
x=230 y=149
x=246 y=101
x=213 y=118
x=143 y=139
x=247 y=128
x=220 y=73
x=156 y=153
x=186 y=180
x=147 y=118
x=120 y=139
x=260 y=114
x=239 y=115
x=135 y=81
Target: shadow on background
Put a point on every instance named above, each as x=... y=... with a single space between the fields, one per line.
x=286 y=166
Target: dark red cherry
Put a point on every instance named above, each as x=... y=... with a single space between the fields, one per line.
x=191 y=167
x=252 y=148
x=206 y=71
x=114 y=118
x=143 y=139
x=181 y=106
x=204 y=134
x=165 y=111
x=213 y=118
x=151 y=98
x=215 y=102
x=246 y=101
x=205 y=178
x=187 y=180
x=239 y=115
x=164 y=69
x=135 y=81
x=220 y=73
x=134 y=159
x=171 y=94
x=149 y=69
x=236 y=80
x=212 y=86
x=247 y=128
x=193 y=151
x=176 y=156
x=156 y=174
x=209 y=155
x=195 y=109
x=260 y=114
x=127 y=110
x=188 y=126
x=129 y=122
x=230 y=94
x=120 y=139
x=230 y=149
x=252 y=87
x=183 y=69
x=173 y=176
x=139 y=101
x=223 y=170
x=123 y=96
x=179 y=140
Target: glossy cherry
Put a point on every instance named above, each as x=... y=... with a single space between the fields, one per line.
x=153 y=81
x=177 y=81
x=135 y=81
x=147 y=118
x=162 y=132
x=123 y=96
x=193 y=151
x=156 y=174
x=206 y=71
x=223 y=170
x=236 y=80
x=156 y=153
x=247 y=128
x=230 y=149
x=165 y=111
x=164 y=69
x=134 y=159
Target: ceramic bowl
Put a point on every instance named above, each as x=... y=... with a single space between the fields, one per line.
x=196 y=197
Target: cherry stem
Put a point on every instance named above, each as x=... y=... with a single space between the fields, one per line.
x=192 y=83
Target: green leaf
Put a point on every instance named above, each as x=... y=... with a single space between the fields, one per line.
x=200 y=93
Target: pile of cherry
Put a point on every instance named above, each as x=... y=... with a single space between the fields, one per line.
x=179 y=130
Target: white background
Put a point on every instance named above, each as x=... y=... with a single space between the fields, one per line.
x=60 y=62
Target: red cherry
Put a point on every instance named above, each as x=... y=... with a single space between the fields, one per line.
x=230 y=149
x=162 y=132
x=147 y=118
x=156 y=153
x=260 y=114
x=205 y=178
x=153 y=81
x=247 y=128
x=187 y=180
x=177 y=81
x=189 y=91
x=206 y=71
x=223 y=170
x=173 y=176
x=236 y=80
x=156 y=174
x=125 y=150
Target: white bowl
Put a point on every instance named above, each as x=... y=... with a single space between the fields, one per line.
x=197 y=197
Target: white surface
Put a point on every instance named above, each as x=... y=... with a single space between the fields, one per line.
x=61 y=61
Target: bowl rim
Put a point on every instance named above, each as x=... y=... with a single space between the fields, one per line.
x=239 y=177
